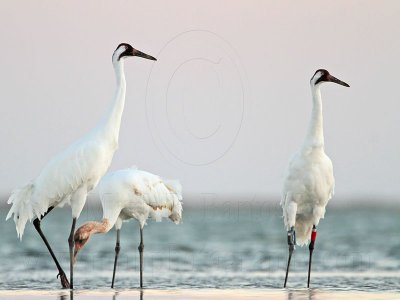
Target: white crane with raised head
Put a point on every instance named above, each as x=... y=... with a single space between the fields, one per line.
x=132 y=194
x=69 y=176
x=309 y=182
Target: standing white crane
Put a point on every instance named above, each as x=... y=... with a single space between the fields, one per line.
x=309 y=182
x=127 y=194
x=69 y=176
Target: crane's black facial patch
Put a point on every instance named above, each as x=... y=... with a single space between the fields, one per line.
x=324 y=76
x=129 y=51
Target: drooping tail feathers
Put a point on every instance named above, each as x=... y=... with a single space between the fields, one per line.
x=21 y=207
x=175 y=187
x=303 y=232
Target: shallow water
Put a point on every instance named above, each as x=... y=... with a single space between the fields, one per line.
x=236 y=247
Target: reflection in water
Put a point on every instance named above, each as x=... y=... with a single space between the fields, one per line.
x=63 y=297
x=307 y=294
x=69 y=295
x=140 y=295
x=66 y=295
x=115 y=295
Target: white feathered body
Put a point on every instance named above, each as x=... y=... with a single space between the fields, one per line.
x=66 y=179
x=78 y=168
x=132 y=193
x=308 y=186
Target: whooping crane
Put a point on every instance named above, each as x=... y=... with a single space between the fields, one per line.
x=309 y=182
x=127 y=194
x=69 y=176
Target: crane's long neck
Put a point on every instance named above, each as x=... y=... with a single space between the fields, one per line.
x=112 y=122
x=315 y=134
x=98 y=227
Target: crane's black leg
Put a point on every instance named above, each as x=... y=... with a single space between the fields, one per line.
x=141 y=247
x=71 y=244
x=61 y=273
x=311 y=248
x=291 y=238
x=117 y=249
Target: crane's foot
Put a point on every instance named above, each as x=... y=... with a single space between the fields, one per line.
x=64 y=280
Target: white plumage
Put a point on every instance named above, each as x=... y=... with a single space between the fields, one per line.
x=308 y=186
x=309 y=182
x=132 y=193
x=72 y=174
x=66 y=179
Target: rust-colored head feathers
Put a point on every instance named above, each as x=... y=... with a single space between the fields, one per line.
x=83 y=233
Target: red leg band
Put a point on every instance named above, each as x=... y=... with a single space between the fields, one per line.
x=313 y=235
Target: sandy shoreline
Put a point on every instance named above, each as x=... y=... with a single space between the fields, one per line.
x=217 y=294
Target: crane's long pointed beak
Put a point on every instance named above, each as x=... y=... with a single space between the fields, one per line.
x=144 y=55
x=335 y=80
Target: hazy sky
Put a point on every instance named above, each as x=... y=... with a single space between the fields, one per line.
x=226 y=104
